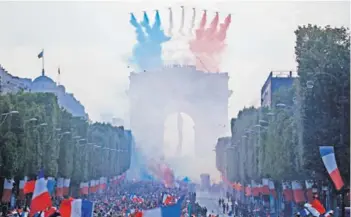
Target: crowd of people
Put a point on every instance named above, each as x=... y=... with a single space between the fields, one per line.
x=131 y=199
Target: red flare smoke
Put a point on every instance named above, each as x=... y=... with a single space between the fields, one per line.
x=222 y=33
x=200 y=31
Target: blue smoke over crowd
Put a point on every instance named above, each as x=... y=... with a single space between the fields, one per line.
x=147 y=52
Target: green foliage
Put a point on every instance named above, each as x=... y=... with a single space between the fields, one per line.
x=285 y=143
x=42 y=135
x=323 y=57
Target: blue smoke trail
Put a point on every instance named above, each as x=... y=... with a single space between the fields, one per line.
x=147 y=53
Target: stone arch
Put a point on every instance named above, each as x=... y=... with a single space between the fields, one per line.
x=203 y=96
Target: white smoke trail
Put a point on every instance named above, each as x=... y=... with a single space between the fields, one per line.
x=170 y=22
x=182 y=21
x=192 y=22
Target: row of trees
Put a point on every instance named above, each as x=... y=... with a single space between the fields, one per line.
x=283 y=142
x=35 y=133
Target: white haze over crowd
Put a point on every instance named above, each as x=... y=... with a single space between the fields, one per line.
x=91 y=42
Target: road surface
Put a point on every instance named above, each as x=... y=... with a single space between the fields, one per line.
x=210 y=201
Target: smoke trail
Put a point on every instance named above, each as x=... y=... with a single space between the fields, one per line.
x=192 y=21
x=201 y=30
x=170 y=22
x=182 y=21
x=146 y=23
x=213 y=27
x=139 y=31
x=147 y=53
x=209 y=43
x=222 y=33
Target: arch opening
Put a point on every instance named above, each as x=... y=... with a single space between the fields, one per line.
x=179 y=143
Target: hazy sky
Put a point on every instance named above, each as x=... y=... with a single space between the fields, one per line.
x=91 y=41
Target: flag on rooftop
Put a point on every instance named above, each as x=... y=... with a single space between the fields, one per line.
x=41 y=54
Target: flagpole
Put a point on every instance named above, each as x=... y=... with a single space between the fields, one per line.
x=42 y=62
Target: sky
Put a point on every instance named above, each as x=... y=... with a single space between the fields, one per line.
x=91 y=41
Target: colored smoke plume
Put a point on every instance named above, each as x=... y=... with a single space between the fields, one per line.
x=209 y=43
x=147 y=52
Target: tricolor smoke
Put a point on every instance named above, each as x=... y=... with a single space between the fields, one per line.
x=209 y=43
x=147 y=53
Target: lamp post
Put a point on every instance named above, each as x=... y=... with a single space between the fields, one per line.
x=5 y=115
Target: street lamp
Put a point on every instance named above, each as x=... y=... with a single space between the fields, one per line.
x=43 y=124
x=32 y=119
x=270 y=114
x=10 y=113
x=280 y=105
x=6 y=115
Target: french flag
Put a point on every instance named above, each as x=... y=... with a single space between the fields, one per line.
x=92 y=186
x=248 y=191
x=255 y=191
x=265 y=187
x=6 y=194
x=84 y=188
x=59 y=187
x=298 y=193
x=21 y=194
x=165 y=211
x=66 y=184
x=314 y=210
x=41 y=198
x=328 y=157
x=287 y=192
x=29 y=187
x=76 y=208
x=309 y=193
x=167 y=199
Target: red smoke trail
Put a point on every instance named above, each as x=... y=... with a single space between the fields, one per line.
x=213 y=27
x=209 y=43
x=222 y=33
x=201 y=30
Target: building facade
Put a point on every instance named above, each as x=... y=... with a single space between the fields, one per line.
x=10 y=83
x=274 y=82
x=222 y=146
x=67 y=101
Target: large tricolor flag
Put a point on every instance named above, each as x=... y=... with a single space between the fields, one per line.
x=328 y=157
x=76 y=208
x=165 y=211
x=41 y=198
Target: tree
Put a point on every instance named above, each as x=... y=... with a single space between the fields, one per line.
x=323 y=57
x=41 y=135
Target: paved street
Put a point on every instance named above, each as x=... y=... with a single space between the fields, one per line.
x=210 y=201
